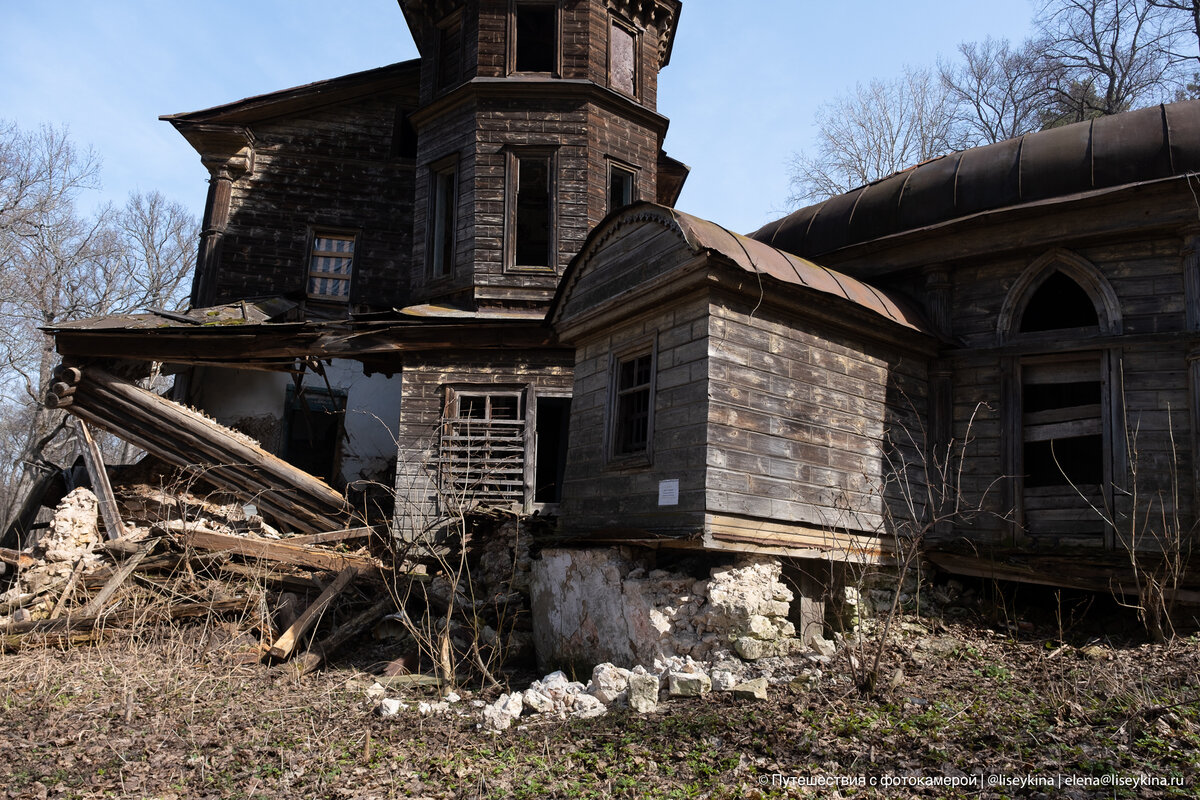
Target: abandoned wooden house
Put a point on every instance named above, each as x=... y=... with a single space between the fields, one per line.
x=461 y=280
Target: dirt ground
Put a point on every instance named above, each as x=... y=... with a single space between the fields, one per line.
x=965 y=707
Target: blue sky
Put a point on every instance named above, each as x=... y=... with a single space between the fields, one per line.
x=741 y=89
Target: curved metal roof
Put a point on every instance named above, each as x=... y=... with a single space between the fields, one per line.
x=1150 y=144
x=749 y=255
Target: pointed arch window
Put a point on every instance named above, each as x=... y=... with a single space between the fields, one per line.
x=1061 y=399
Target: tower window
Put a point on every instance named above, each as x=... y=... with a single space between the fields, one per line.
x=535 y=29
x=632 y=404
x=443 y=222
x=449 y=63
x=621 y=184
x=531 y=240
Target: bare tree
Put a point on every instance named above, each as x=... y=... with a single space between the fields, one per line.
x=1186 y=20
x=998 y=91
x=57 y=264
x=877 y=130
x=1107 y=56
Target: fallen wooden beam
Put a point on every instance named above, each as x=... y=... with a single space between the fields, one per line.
x=19 y=641
x=315 y=656
x=273 y=550
x=177 y=611
x=70 y=587
x=287 y=641
x=94 y=461
x=331 y=536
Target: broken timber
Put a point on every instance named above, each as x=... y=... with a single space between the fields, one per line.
x=187 y=439
x=272 y=550
x=312 y=660
x=287 y=641
x=94 y=461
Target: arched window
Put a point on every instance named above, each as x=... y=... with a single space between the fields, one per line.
x=1061 y=405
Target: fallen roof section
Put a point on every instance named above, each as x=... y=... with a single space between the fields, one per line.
x=188 y=439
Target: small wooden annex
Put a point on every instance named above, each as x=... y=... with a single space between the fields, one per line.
x=732 y=396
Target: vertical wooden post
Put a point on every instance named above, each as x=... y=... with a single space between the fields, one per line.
x=113 y=528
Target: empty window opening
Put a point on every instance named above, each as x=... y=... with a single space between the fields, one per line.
x=404 y=136
x=537 y=42
x=620 y=187
x=330 y=265
x=442 y=234
x=622 y=59
x=553 y=414
x=633 y=400
x=1059 y=303
x=533 y=240
x=313 y=428
x=481 y=458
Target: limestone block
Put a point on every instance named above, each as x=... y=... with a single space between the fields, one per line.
x=608 y=683
x=643 y=692
x=755 y=689
x=688 y=684
x=500 y=714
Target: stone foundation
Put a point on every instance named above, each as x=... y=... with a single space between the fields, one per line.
x=606 y=605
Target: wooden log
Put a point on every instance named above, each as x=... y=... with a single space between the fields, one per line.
x=271 y=550
x=118 y=578
x=287 y=641
x=331 y=536
x=54 y=401
x=270 y=577
x=69 y=375
x=62 y=389
x=177 y=611
x=316 y=655
x=113 y=527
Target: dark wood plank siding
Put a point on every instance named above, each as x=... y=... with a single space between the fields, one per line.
x=599 y=493
x=333 y=168
x=800 y=420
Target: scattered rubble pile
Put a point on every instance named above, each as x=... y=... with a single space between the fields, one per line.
x=183 y=555
x=640 y=689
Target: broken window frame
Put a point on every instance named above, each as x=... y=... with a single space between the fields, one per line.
x=629 y=192
x=301 y=403
x=442 y=246
x=517 y=56
x=1049 y=356
x=618 y=26
x=343 y=279
x=622 y=411
x=515 y=438
x=515 y=217
x=481 y=459
x=534 y=446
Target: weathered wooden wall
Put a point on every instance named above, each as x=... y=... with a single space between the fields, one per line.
x=331 y=167
x=623 y=493
x=806 y=424
x=1146 y=273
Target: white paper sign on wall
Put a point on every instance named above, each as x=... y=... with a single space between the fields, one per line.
x=668 y=492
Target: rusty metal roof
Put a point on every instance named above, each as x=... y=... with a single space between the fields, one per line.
x=1151 y=144
x=751 y=256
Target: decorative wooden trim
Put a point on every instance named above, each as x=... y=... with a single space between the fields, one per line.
x=1075 y=267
